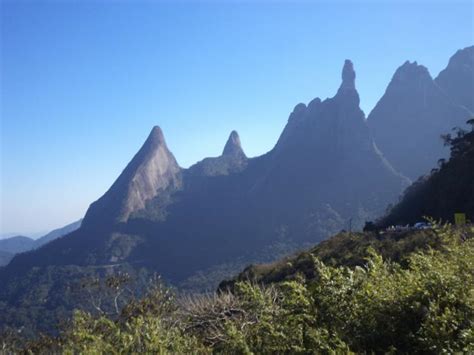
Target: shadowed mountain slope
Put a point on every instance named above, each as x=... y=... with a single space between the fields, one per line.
x=457 y=80
x=409 y=119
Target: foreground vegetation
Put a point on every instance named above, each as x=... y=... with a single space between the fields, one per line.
x=422 y=303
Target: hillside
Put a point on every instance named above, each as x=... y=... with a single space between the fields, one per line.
x=444 y=192
x=5 y=257
x=343 y=249
x=17 y=244
x=422 y=305
x=57 y=233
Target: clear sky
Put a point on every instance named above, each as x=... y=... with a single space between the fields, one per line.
x=83 y=82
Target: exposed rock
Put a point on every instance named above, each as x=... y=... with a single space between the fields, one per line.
x=152 y=170
x=348 y=76
x=233 y=147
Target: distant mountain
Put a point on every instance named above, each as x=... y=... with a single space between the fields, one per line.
x=57 y=233
x=16 y=244
x=409 y=119
x=19 y=244
x=457 y=80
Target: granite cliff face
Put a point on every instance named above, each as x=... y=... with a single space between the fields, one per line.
x=457 y=80
x=410 y=118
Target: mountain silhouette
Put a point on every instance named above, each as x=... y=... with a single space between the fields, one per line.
x=409 y=119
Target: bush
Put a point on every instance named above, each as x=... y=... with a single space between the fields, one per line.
x=424 y=305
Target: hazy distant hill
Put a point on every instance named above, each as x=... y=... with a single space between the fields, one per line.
x=409 y=119
x=20 y=244
x=16 y=244
x=57 y=233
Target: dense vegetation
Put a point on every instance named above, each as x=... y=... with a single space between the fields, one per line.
x=349 y=249
x=446 y=190
x=380 y=307
x=422 y=305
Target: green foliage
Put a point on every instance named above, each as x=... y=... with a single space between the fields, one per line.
x=424 y=305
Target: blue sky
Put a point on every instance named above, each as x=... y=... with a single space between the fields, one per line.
x=84 y=82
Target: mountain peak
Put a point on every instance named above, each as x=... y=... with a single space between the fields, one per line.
x=457 y=79
x=463 y=57
x=233 y=146
x=156 y=137
x=157 y=133
x=348 y=76
x=152 y=170
x=347 y=91
x=411 y=71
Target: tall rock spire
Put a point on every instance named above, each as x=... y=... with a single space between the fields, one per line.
x=233 y=146
x=347 y=90
x=348 y=76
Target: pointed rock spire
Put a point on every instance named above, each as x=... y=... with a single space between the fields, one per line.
x=348 y=76
x=152 y=170
x=347 y=91
x=233 y=146
x=156 y=135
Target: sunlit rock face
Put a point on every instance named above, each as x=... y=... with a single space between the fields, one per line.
x=152 y=169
